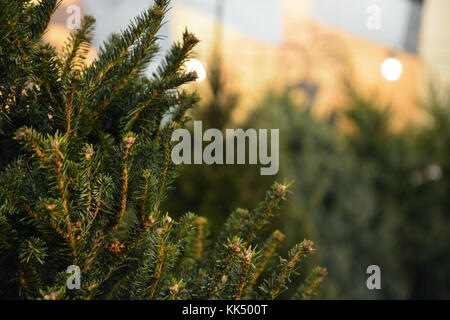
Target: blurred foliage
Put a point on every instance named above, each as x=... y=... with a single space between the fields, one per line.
x=367 y=195
x=192 y=190
x=410 y=178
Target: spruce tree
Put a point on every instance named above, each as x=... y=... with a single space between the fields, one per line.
x=86 y=166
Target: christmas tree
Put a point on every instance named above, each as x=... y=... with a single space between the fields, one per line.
x=368 y=194
x=86 y=166
x=228 y=182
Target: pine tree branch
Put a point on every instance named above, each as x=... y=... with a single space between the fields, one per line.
x=277 y=283
x=69 y=109
x=306 y=290
x=23 y=205
x=115 y=55
x=156 y=89
x=268 y=249
x=176 y=57
x=234 y=246
x=42 y=15
x=115 y=51
x=262 y=215
x=247 y=257
x=61 y=180
x=77 y=46
x=65 y=203
x=200 y=222
x=129 y=142
x=161 y=256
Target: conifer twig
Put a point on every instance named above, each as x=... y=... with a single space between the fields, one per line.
x=268 y=250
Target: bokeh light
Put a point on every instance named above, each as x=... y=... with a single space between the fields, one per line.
x=391 y=69
x=197 y=66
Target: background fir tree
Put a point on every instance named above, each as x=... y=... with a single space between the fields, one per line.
x=86 y=166
x=331 y=199
x=368 y=194
x=409 y=182
x=194 y=190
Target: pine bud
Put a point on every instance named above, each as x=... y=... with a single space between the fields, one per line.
x=191 y=39
x=150 y=221
x=193 y=74
x=22 y=134
x=89 y=153
x=278 y=235
x=157 y=12
x=51 y=296
x=306 y=244
x=55 y=144
x=130 y=141
x=281 y=189
x=248 y=255
x=200 y=221
x=29 y=85
x=174 y=289
x=50 y=207
x=115 y=247
x=235 y=246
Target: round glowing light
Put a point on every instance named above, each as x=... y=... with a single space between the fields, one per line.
x=197 y=66
x=391 y=69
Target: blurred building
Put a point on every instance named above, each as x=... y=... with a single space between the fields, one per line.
x=311 y=45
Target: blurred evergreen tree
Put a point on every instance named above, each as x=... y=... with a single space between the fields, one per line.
x=195 y=190
x=411 y=186
x=368 y=195
x=332 y=196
